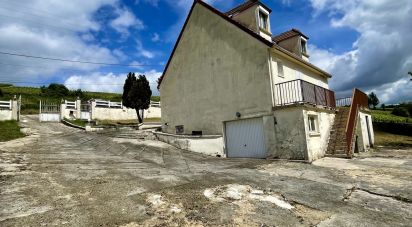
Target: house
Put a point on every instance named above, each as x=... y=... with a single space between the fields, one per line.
x=228 y=75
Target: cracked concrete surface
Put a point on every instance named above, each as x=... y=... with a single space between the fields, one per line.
x=66 y=177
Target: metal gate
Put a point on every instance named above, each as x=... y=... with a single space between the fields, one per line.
x=85 y=111
x=245 y=138
x=49 y=112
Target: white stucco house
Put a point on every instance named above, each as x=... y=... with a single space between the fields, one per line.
x=228 y=76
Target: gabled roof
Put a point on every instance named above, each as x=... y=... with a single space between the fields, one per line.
x=287 y=35
x=245 y=29
x=246 y=5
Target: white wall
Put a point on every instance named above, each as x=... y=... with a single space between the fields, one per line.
x=216 y=71
x=7 y=114
x=293 y=71
x=49 y=117
x=317 y=143
x=209 y=145
x=153 y=112
x=362 y=131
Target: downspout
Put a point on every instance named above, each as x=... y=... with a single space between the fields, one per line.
x=272 y=91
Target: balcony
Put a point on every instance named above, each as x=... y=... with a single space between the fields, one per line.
x=303 y=92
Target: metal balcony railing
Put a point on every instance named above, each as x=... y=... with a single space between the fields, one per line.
x=301 y=92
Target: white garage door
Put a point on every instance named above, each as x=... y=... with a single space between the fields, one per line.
x=245 y=139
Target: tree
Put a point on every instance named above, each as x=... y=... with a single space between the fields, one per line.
x=373 y=100
x=410 y=74
x=137 y=96
x=383 y=106
x=131 y=78
x=55 y=90
x=1 y=93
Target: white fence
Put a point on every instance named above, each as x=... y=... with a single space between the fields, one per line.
x=6 y=104
x=94 y=110
x=108 y=104
x=10 y=109
x=49 y=112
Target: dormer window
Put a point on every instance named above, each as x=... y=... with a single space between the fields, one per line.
x=303 y=46
x=263 y=20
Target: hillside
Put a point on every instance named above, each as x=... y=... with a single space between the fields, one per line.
x=31 y=97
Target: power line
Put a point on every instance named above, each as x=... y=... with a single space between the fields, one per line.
x=75 y=61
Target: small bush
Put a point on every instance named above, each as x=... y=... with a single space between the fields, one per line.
x=399 y=111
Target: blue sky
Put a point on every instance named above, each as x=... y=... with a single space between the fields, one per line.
x=362 y=43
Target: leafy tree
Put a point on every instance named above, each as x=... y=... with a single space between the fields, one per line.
x=131 y=78
x=410 y=74
x=55 y=90
x=373 y=100
x=1 y=93
x=77 y=93
x=138 y=95
x=400 y=111
x=383 y=106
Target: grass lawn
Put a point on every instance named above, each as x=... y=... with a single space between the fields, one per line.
x=9 y=130
x=386 y=116
x=392 y=140
x=77 y=122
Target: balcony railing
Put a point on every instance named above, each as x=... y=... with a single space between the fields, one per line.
x=303 y=92
x=344 y=101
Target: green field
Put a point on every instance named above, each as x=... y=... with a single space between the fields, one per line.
x=386 y=116
x=31 y=97
x=9 y=130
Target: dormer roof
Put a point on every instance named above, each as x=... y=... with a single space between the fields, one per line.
x=287 y=35
x=246 y=5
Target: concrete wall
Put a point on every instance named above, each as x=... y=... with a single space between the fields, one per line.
x=289 y=137
x=362 y=131
x=216 y=71
x=49 y=117
x=7 y=114
x=153 y=112
x=317 y=143
x=209 y=145
x=248 y=18
x=292 y=45
x=99 y=113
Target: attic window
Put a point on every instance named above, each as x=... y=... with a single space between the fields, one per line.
x=303 y=46
x=263 y=20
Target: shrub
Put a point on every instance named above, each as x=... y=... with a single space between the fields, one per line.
x=399 y=111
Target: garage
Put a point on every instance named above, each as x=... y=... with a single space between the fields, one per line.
x=245 y=138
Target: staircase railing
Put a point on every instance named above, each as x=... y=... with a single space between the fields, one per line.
x=359 y=99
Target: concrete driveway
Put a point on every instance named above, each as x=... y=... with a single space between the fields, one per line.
x=61 y=176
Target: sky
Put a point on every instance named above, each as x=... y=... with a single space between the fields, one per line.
x=363 y=43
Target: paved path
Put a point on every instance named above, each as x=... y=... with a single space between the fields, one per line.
x=61 y=176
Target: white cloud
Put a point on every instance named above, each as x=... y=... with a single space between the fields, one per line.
x=155 y=37
x=141 y=51
x=125 y=20
x=108 y=82
x=48 y=28
x=382 y=54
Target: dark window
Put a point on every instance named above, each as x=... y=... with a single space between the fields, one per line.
x=197 y=133
x=263 y=20
x=303 y=46
x=179 y=129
